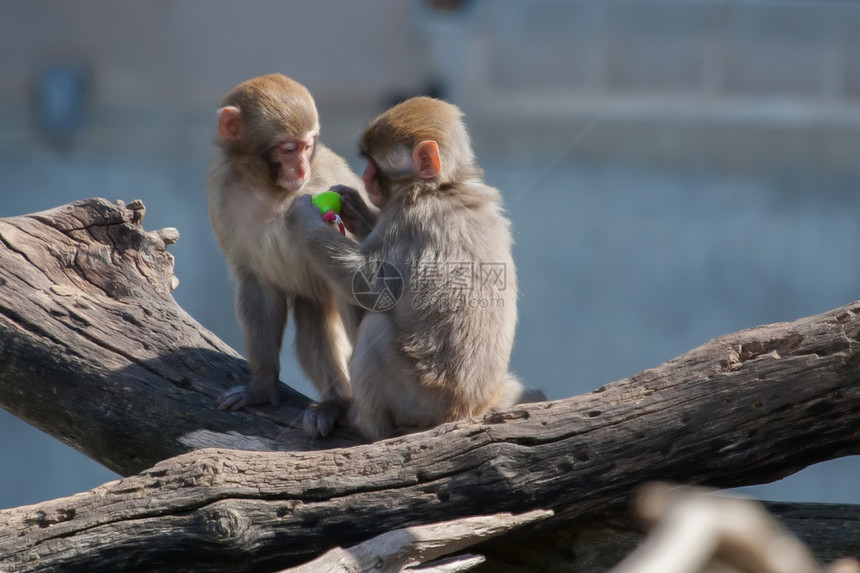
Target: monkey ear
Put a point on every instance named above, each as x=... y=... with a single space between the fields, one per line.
x=426 y=158
x=229 y=123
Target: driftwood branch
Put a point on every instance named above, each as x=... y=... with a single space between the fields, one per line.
x=96 y=352
x=410 y=548
x=694 y=530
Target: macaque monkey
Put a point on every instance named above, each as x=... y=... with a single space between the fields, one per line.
x=266 y=153
x=440 y=353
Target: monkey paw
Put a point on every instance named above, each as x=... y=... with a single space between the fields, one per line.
x=320 y=419
x=241 y=396
x=304 y=215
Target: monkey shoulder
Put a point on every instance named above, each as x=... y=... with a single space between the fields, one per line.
x=469 y=212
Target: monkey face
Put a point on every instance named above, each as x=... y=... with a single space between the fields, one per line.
x=290 y=161
x=269 y=126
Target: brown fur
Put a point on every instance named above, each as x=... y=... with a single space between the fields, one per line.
x=424 y=362
x=247 y=204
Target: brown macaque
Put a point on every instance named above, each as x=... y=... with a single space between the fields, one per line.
x=267 y=153
x=440 y=353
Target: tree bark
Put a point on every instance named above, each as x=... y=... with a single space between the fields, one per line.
x=95 y=351
x=413 y=547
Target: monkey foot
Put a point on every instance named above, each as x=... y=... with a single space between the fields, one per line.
x=320 y=419
x=241 y=396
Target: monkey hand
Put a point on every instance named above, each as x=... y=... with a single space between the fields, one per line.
x=357 y=217
x=241 y=396
x=320 y=419
x=304 y=217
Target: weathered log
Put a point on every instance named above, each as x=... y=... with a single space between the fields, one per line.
x=830 y=531
x=411 y=547
x=95 y=351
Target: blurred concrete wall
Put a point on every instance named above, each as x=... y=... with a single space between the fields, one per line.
x=750 y=85
x=674 y=170
x=184 y=52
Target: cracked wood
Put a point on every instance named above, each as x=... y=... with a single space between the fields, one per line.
x=745 y=408
x=95 y=351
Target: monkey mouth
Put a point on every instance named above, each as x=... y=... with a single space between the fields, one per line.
x=294 y=183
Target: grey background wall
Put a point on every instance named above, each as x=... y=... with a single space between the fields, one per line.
x=674 y=170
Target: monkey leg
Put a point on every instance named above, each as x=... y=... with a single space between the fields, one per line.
x=323 y=349
x=262 y=315
x=387 y=395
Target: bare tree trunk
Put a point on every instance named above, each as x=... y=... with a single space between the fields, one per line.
x=96 y=352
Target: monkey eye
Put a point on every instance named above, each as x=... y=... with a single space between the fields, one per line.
x=295 y=146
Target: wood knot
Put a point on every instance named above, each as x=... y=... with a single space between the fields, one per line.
x=222 y=522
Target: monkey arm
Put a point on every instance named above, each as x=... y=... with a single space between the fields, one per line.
x=358 y=218
x=337 y=257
